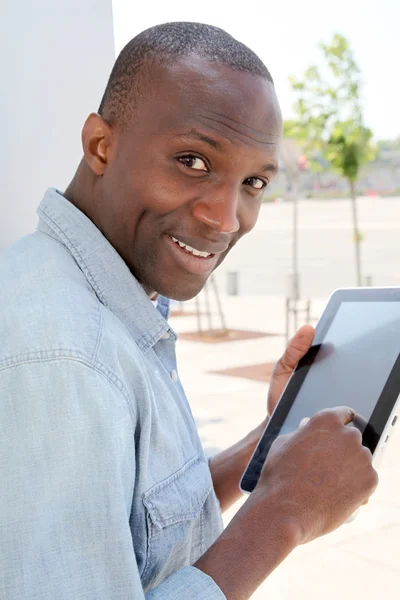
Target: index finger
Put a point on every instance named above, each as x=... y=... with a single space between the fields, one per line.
x=342 y=415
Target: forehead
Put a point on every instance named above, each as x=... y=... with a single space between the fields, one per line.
x=194 y=93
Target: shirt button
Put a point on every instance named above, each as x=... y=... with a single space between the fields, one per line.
x=165 y=335
x=174 y=376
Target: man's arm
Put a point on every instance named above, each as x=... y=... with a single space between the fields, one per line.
x=67 y=452
x=228 y=466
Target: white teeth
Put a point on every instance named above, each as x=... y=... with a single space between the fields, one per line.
x=190 y=249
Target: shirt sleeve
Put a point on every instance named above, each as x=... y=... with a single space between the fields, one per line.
x=187 y=584
x=67 y=456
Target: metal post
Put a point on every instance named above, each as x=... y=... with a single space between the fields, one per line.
x=295 y=314
x=232 y=283
x=208 y=310
x=294 y=296
x=287 y=320
x=219 y=305
x=198 y=314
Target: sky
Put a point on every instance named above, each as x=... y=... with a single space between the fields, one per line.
x=285 y=34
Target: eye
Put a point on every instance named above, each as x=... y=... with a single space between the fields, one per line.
x=193 y=162
x=256 y=183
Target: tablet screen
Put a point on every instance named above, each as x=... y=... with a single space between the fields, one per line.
x=354 y=361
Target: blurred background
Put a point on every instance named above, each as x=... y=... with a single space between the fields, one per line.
x=331 y=219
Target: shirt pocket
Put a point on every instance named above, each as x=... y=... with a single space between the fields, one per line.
x=174 y=512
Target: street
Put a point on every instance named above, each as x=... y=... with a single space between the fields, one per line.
x=326 y=247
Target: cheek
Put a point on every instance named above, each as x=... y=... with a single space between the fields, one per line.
x=248 y=214
x=160 y=192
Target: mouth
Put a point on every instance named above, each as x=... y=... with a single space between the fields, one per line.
x=195 y=261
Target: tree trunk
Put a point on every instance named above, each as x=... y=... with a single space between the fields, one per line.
x=295 y=256
x=357 y=235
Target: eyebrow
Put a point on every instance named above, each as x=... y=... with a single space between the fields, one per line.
x=202 y=137
x=193 y=134
x=270 y=168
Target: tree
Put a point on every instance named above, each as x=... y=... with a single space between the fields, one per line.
x=291 y=155
x=329 y=120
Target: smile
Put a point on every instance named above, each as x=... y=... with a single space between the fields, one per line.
x=190 y=259
x=191 y=250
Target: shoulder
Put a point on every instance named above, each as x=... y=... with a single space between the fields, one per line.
x=50 y=311
x=47 y=302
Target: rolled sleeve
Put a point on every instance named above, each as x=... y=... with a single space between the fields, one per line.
x=186 y=584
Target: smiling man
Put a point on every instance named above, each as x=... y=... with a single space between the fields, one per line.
x=107 y=494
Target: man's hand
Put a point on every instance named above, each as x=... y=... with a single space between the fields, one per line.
x=296 y=349
x=323 y=469
x=313 y=481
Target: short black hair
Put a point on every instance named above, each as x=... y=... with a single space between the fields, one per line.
x=164 y=45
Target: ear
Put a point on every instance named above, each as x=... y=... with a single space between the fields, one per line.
x=96 y=141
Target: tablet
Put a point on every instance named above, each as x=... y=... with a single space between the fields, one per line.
x=354 y=361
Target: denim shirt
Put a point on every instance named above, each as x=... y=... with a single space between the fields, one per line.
x=106 y=493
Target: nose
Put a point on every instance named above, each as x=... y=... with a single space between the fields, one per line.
x=220 y=213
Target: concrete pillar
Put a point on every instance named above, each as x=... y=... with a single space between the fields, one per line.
x=55 y=59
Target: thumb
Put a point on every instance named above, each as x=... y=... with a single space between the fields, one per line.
x=296 y=349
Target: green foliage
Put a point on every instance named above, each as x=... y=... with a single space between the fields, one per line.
x=348 y=148
x=328 y=123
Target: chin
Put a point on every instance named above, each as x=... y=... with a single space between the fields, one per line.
x=181 y=291
x=183 y=294
x=182 y=297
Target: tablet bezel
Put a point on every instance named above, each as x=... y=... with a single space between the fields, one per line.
x=383 y=409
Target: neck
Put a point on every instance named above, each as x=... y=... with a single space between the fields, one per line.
x=80 y=191
x=150 y=293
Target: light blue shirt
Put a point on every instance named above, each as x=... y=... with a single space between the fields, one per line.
x=105 y=490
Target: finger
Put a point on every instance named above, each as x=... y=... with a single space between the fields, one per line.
x=360 y=423
x=343 y=415
x=279 y=442
x=296 y=349
x=304 y=422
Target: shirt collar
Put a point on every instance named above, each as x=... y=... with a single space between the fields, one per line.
x=104 y=269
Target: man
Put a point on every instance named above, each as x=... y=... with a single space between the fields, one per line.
x=107 y=494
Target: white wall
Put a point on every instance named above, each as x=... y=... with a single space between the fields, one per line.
x=55 y=59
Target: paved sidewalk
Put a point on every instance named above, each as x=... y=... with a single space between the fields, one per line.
x=360 y=561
